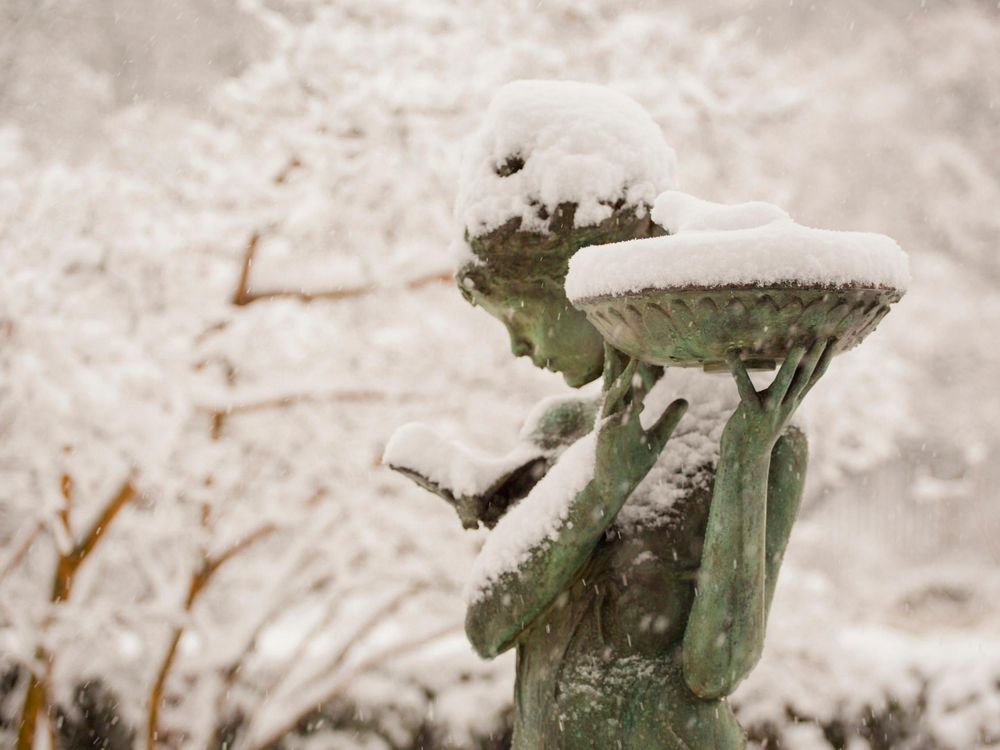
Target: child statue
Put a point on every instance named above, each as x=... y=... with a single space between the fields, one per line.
x=641 y=602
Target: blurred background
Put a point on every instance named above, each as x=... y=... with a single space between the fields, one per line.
x=225 y=280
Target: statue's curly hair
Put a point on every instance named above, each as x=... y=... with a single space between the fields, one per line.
x=511 y=259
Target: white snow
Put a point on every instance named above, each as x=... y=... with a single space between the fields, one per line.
x=753 y=244
x=678 y=212
x=690 y=456
x=456 y=467
x=579 y=143
x=536 y=519
x=122 y=233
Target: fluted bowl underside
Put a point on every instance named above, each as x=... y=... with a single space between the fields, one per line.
x=696 y=327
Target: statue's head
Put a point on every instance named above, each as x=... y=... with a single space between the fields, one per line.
x=555 y=166
x=517 y=277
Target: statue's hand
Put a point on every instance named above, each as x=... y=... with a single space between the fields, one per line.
x=762 y=416
x=625 y=451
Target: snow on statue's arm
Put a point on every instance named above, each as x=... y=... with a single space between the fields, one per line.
x=539 y=546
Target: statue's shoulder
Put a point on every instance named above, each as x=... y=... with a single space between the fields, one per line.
x=558 y=421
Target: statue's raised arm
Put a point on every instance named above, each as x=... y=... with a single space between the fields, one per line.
x=540 y=547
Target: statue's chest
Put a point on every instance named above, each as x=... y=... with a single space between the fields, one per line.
x=646 y=586
x=634 y=595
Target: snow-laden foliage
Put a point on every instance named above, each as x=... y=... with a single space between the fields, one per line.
x=220 y=293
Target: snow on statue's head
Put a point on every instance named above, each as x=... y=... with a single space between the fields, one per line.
x=555 y=166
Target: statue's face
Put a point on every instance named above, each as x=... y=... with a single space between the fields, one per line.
x=543 y=325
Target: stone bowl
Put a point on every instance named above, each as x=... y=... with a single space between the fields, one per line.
x=690 y=327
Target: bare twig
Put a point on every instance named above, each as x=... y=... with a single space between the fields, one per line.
x=210 y=565
x=243 y=285
x=66 y=487
x=219 y=415
x=69 y=564
x=36 y=698
x=244 y=296
x=335 y=295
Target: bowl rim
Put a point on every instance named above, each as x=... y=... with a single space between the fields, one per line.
x=771 y=287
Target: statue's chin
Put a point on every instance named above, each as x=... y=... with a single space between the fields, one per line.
x=578 y=380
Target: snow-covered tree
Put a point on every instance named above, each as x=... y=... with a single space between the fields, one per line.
x=220 y=294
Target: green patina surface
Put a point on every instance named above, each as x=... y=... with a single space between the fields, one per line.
x=635 y=640
x=696 y=327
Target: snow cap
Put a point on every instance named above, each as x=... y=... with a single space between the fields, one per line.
x=546 y=143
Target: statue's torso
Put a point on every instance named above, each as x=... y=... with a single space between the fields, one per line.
x=601 y=668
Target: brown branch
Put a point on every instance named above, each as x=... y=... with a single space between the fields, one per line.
x=219 y=416
x=282 y=176
x=51 y=715
x=279 y=402
x=100 y=526
x=242 y=286
x=66 y=487
x=34 y=701
x=156 y=692
x=200 y=579
x=69 y=564
x=211 y=330
x=36 y=698
x=212 y=564
x=244 y=296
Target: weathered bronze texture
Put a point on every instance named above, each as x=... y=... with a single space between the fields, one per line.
x=695 y=327
x=631 y=639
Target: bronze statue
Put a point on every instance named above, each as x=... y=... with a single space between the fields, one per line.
x=632 y=628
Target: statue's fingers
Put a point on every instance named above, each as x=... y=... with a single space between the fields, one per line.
x=615 y=395
x=821 y=367
x=743 y=383
x=786 y=375
x=641 y=384
x=614 y=363
x=804 y=371
x=658 y=435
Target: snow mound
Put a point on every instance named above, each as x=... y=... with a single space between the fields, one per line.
x=534 y=520
x=679 y=212
x=543 y=143
x=464 y=471
x=750 y=244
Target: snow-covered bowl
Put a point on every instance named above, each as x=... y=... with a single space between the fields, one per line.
x=744 y=277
